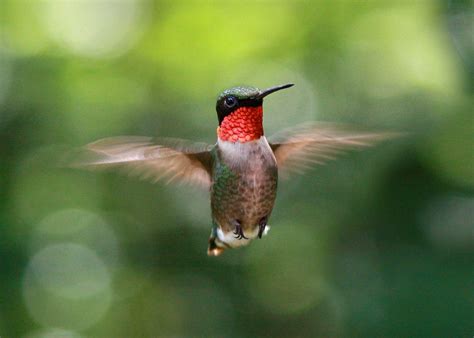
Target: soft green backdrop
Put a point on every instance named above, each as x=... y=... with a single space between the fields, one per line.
x=377 y=244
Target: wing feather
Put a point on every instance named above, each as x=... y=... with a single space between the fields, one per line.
x=298 y=149
x=152 y=159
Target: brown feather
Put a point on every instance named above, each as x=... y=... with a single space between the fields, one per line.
x=297 y=149
x=152 y=159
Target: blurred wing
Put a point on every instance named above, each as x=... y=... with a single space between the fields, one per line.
x=154 y=159
x=299 y=148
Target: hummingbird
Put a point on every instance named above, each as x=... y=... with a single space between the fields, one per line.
x=241 y=171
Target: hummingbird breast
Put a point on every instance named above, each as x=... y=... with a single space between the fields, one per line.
x=245 y=178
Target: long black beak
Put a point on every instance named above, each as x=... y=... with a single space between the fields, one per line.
x=270 y=90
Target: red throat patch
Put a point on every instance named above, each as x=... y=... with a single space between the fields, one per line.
x=243 y=125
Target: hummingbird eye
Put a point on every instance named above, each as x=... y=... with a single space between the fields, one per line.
x=230 y=101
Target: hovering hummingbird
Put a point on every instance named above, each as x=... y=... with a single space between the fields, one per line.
x=241 y=170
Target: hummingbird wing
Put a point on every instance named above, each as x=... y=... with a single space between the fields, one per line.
x=303 y=146
x=153 y=159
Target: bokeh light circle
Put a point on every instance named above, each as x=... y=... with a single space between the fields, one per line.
x=79 y=226
x=93 y=28
x=67 y=285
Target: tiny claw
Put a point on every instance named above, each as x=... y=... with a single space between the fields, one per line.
x=239 y=232
x=236 y=232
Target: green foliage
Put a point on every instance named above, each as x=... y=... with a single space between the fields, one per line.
x=377 y=244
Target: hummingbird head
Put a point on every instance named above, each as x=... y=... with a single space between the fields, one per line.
x=240 y=113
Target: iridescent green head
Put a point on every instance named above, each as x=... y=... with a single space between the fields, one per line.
x=242 y=96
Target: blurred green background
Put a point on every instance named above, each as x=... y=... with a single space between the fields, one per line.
x=377 y=244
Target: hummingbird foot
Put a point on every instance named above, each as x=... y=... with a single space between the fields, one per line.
x=262 y=224
x=239 y=232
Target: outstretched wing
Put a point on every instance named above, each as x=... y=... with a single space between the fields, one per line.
x=154 y=159
x=299 y=148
